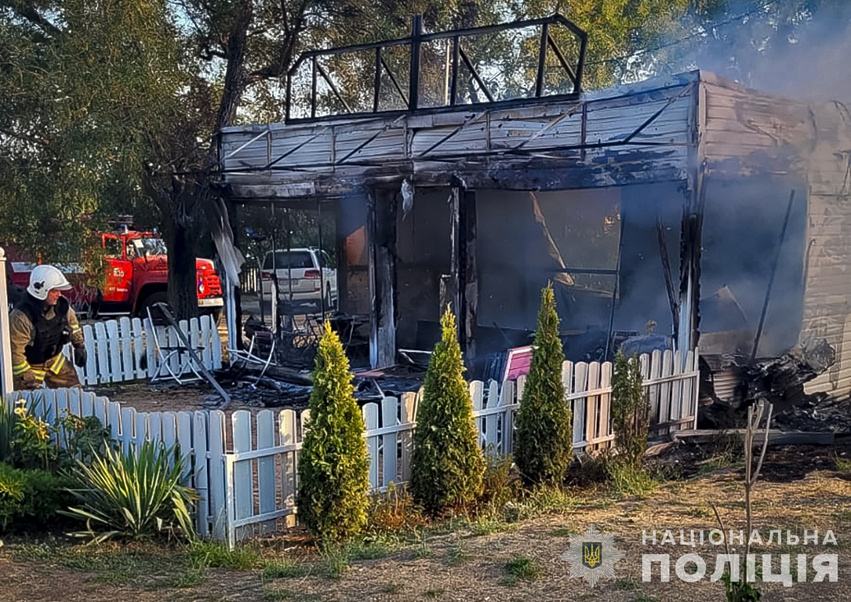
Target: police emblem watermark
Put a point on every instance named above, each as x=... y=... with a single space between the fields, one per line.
x=592 y=556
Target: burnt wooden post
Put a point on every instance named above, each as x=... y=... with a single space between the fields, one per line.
x=382 y=277
x=460 y=288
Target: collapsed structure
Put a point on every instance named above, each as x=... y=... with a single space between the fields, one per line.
x=717 y=215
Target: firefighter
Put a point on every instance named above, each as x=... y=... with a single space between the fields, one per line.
x=40 y=326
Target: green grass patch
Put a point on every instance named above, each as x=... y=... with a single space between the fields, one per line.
x=521 y=568
x=627 y=584
x=562 y=532
x=210 y=554
x=188 y=578
x=628 y=481
x=456 y=556
x=282 y=569
x=842 y=464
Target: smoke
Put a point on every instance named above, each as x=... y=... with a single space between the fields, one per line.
x=785 y=48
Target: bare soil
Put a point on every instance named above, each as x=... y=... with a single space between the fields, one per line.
x=803 y=488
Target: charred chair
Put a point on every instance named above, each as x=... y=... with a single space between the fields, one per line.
x=173 y=360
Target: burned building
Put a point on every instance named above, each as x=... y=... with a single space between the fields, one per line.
x=712 y=215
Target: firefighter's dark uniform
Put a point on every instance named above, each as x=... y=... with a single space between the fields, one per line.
x=38 y=333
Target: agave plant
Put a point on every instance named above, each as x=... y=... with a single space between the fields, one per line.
x=133 y=495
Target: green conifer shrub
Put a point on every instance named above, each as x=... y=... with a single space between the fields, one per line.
x=333 y=466
x=630 y=411
x=543 y=440
x=447 y=464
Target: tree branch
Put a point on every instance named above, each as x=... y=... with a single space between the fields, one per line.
x=29 y=13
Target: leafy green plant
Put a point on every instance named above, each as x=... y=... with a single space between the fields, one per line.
x=333 y=467
x=521 y=567
x=30 y=497
x=83 y=437
x=393 y=510
x=630 y=411
x=133 y=495
x=447 y=464
x=31 y=444
x=544 y=433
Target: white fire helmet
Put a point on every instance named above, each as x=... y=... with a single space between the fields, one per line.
x=45 y=278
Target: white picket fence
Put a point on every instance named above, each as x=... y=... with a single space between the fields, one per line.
x=124 y=349
x=245 y=465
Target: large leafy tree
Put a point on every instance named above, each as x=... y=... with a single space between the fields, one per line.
x=82 y=82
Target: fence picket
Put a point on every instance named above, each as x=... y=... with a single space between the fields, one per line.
x=242 y=482
x=127 y=366
x=200 y=448
x=194 y=335
x=288 y=431
x=476 y=391
x=102 y=353
x=87 y=404
x=493 y=422
x=592 y=429
x=370 y=418
x=113 y=411
x=169 y=429
x=218 y=500
x=653 y=390
x=580 y=385
x=605 y=398
x=100 y=404
x=408 y=409
x=206 y=341
x=508 y=399
x=215 y=344
x=114 y=346
x=676 y=410
x=389 y=411
x=151 y=356
x=173 y=342
x=91 y=370
x=155 y=427
x=665 y=387
x=266 y=482
x=140 y=362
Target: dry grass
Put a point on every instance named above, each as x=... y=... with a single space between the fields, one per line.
x=800 y=492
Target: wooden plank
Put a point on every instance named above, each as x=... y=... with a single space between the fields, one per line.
x=114 y=413
x=114 y=342
x=605 y=423
x=139 y=359
x=665 y=387
x=580 y=385
x=408 y=411
x=592 y=416
x=87 y=404
x=242 y=470
x=775 y=437
x=129 y=426
x=266 y=482
x=150 y=349
x=99 y=410
x=493 y=422
x=389 y=411
x=370 y=419
x=91 y=371
x=168 y=421
x=184 y=441
x=155 y=427
x=205 y=517
x=74 y=401
x=476 y=391
x=215 y=342
x=195 y=339
x=288 y=433
x=102 y=348
x=653 y=390
x=218 y=500
x=676 y=410
x=128 y=365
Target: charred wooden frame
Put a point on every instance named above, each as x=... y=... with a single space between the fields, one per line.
x=415 y=42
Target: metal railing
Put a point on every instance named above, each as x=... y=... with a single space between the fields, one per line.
x=459 y=57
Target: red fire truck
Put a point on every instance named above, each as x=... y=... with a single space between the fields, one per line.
x=136 y=265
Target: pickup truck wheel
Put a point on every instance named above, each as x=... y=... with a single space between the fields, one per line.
x=149 y=302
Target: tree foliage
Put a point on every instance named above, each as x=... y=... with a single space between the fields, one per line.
x=447 y=464
x=630 y=410
x=333 y=466
x=544 y=432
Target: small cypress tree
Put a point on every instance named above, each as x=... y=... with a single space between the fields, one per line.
x=544 y=433
x=333 y=467
x=447 y=464
x=630 y=410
